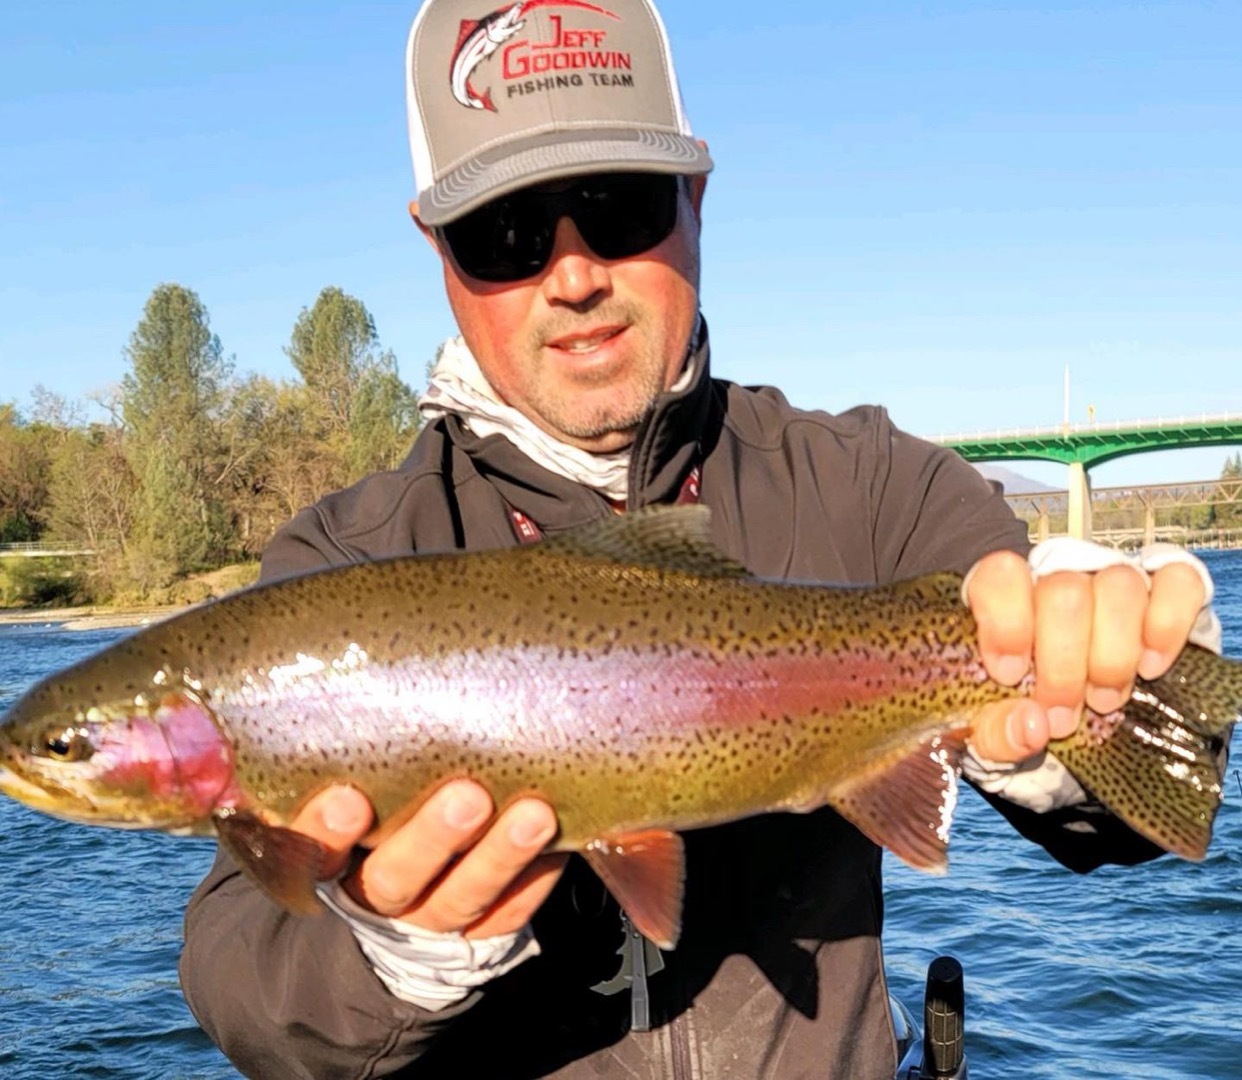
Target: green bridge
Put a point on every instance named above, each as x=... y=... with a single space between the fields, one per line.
x=1082 y=445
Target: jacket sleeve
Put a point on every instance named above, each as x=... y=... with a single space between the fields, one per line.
x=933 y=511
x=292 y=996
x=285 y=995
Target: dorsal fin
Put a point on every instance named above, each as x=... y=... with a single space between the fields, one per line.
x=663 y=537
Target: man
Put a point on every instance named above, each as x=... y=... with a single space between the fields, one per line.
x=561 y=188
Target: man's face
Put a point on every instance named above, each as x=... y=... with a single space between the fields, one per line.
x=583 y=347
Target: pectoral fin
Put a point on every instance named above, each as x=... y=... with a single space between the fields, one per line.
x=283 y=863
x=907 y=805
x=646 y=872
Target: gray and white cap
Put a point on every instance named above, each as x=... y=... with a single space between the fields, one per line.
x=502 y=98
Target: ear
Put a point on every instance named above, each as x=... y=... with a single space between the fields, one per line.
x=697 y=187
x=425 y=229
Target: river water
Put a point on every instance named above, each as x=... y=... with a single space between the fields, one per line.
x=1123 y=973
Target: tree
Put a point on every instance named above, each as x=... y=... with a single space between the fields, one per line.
x=332 y=345
x=91 y=501
x=171 y=403
x=24 y=458
x=383 y=422
x=357 y=407
x=279 y=461
x=1228 y=514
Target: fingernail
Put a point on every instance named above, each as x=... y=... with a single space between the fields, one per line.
x=344 y=815
x=1062 y=721
x=1152 y=664
x=1025 y=730
x=531 y=832
x=1105 y=699
x=464 y=809
x=1008 y=670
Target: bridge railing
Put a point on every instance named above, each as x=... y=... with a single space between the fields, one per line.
x=45 y=547
x=1093 y=426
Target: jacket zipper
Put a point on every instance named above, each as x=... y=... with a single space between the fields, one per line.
x=677 y=1030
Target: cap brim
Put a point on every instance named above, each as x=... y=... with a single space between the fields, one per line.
x=535 y=160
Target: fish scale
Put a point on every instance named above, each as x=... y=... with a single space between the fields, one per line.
x=628 y=673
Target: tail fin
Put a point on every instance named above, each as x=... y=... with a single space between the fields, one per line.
x=1159 y=763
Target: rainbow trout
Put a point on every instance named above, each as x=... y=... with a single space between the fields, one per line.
x=628 y=673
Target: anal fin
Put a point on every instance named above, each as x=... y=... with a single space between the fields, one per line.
x=646 y=872
x=284 y=864
x=907 y=806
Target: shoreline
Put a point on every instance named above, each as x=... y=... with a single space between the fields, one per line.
x=87 y=618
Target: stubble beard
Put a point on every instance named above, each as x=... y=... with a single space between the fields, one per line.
x=619 y=410
x=621 y=414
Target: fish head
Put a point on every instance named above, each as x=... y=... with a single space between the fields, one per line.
x=142 y=760
x=503 y=25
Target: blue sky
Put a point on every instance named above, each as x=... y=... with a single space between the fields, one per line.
x=935 y=206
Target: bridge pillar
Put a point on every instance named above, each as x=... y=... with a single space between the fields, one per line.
x=1149 y=520
x=1079 y=501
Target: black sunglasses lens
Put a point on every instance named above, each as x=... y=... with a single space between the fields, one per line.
x=618 y=214
x=508 y=239
x=621 y=215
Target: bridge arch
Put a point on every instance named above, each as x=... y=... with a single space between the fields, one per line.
x=1081 y=446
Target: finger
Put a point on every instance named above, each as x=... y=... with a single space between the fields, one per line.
x=999 y=594
x=338 y=818
x=1063 y=623
x=488 y=870
x=1177 y=596
x=398 y=871
x=1119 y=599
x=1008 y=731
x=517 y=905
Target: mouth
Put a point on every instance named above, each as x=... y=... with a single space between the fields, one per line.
x=586 y=342
x=32 y=795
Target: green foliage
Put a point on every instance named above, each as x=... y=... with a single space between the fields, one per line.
x=382 y=423
x=25 y=451
x=91 y=489
x=172 y=402
x=40 y=583
x=354 y=401
x=1228 y=515
x=197 y=467
x=333 y=344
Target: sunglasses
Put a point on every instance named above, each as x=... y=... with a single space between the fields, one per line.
x=511 y=238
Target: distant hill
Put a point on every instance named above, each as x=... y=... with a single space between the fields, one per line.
x=1012 y=481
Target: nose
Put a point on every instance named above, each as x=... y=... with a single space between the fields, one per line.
x=575 y=275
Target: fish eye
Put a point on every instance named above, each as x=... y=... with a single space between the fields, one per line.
x=67 y=744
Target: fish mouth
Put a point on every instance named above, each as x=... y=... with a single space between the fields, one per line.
x=58 y=801
x=49 y=798
x=33 y=795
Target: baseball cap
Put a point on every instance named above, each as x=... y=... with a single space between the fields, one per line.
x=501 y=98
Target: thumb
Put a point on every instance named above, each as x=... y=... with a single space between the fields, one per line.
x=337 y=818
x=1010 y=731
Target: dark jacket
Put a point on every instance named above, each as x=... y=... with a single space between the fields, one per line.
x=778 y=972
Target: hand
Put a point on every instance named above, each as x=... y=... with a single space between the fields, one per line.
x=450 y=867
x=1088 y=634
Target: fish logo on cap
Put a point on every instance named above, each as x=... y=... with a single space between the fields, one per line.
x=480 y=38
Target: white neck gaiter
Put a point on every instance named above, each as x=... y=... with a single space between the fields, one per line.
x=459 y=386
